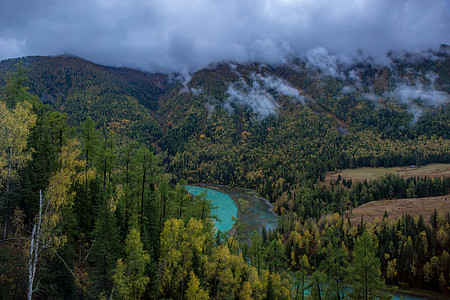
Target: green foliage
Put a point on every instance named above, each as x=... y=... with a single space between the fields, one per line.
x=105 y=249
x=117 y=99
x=275 y=256
x=180 y=243
x=256 y=251
x=335 y=264
x=129 y=278
x=15 y=90
x=122 y=226
x=364 y=273
x=330 y=130
x=194 y=292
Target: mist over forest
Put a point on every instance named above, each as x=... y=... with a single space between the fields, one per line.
x=318 y=131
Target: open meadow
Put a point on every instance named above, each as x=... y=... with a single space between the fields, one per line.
x=361 y=174
x=397 y=207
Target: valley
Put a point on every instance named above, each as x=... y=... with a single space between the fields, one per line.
x=97 y=166
x=224 y=150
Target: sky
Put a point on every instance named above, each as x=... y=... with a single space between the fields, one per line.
x=176 y=35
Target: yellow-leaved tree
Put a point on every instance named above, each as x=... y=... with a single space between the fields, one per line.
x=194 y=291
x=15 y=125
x=46 y=239
x=129 y=278
x=179 y=243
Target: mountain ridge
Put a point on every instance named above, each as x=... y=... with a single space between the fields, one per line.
x=262 y=126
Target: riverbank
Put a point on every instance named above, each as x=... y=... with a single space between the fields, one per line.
x=257 y=213
x=421 y=294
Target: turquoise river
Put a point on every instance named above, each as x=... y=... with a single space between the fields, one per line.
x=256 y=215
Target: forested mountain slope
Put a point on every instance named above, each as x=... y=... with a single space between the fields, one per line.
x=118 y=99
x=260 y=126
x=87 y=212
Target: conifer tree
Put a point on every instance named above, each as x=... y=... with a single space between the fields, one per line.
x=364 y=273
x=194 y=291
x=335 y=263
x=256 y=251
x=105 y=248
x=89 y=190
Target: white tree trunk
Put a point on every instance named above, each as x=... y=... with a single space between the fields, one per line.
x=35 y=249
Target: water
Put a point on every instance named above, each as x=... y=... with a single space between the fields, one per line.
x=307 y=292
x=401 y=297
x=256 y=216
x=226 y=209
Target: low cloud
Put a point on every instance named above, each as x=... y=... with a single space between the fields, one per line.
x=371 y=97
x=426 y=95
x=279 y=85
x=257 y=95
x=429 y=95
x=318 y=58
x=183 y=78
x=347 y=90
x=181 y=35
x=431 y=76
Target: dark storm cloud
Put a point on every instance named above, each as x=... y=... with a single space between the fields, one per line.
x=184 y=35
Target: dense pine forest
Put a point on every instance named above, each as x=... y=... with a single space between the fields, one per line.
x=94 y=161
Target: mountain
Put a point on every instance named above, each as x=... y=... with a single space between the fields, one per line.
x=269 y=127
x=120 y=99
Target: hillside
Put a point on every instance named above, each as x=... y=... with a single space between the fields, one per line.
x=260 y=126
x=119 y=99
x=88 y=214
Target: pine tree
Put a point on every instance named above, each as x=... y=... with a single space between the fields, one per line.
x=15 y=90
x=335 y=263
x=194 y=291
x=270 y=290
x=256 y=251
x=46 y=139
x=105 y=248
x=364 y=273
x=275 y=255
x=88 y=191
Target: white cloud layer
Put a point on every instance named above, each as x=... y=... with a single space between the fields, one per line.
x=258 y=95
x=161 y=35
x=428 y=95
x=260 y=102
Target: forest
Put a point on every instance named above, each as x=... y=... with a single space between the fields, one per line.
x=93 y=204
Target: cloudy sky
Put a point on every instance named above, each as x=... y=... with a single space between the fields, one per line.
x=166 y=35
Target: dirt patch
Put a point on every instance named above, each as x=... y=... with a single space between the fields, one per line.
x=367 y=173
x=396 y=208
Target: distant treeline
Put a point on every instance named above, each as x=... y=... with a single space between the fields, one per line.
x=313 y=201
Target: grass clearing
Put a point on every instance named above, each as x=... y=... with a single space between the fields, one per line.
x=360 y=174
x=397 y=207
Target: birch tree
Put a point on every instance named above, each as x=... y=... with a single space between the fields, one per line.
x=15 y=127
x=45 y=237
